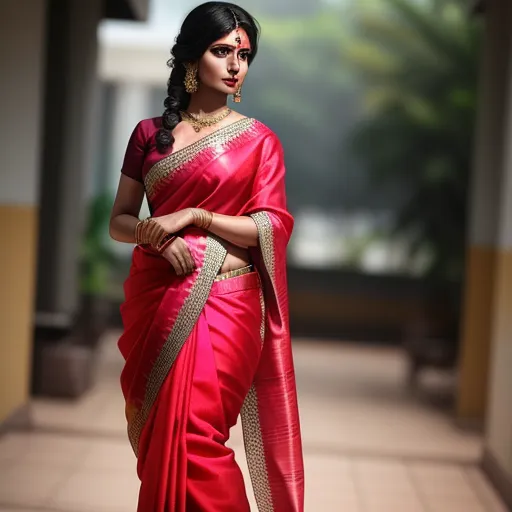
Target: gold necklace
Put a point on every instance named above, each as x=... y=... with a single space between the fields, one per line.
x=199 y=121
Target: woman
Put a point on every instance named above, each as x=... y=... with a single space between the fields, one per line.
x=206 y=333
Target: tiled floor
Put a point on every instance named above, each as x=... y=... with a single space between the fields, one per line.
x=370 y=445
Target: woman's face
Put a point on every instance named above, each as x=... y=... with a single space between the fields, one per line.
x=225 y=63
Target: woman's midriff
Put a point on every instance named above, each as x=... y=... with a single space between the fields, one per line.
x=236 y=257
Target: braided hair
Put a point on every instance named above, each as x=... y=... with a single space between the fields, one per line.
x=204 y=25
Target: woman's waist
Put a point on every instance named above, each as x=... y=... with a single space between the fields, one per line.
x=236 y=257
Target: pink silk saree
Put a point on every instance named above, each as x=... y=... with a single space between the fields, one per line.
x=197 y=351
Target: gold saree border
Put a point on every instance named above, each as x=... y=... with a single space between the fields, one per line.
x=266 y=239
x=187 y=317
x=251 y=427
x=170 y=164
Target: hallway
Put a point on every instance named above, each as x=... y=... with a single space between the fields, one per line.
x=369 y=445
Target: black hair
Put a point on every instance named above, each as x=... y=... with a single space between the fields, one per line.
x=205 y=24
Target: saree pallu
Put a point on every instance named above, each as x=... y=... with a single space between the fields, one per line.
x=199 y=352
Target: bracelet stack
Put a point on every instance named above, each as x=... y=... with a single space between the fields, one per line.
x=203 y=218
x=149 y=232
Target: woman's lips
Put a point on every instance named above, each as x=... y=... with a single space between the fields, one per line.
x=230 y=82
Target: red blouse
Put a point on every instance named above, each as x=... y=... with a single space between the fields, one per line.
x=141 y=153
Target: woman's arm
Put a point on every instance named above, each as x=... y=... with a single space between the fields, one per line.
x=125 y=217
x=126 y=209
x=238 y=230
x=241 y=231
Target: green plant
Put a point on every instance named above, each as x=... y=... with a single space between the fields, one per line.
x=97 y=257
x=418 y=64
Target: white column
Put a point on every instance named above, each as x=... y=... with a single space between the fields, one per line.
x=131 y=105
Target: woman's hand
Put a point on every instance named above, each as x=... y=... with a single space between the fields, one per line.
x=175 y=222
x=179 y=256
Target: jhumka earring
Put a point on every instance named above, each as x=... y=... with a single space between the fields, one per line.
x=237 y=97
x=191 y=82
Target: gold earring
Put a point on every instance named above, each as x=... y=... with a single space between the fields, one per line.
x=237 y=97
x=191 y=82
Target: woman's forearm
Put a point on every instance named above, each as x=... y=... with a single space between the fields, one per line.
x=239 y=230
x=122 y=228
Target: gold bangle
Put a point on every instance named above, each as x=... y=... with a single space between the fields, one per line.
x=148 y=231
x=209 y=220
x=137 y=232
x=203 y=218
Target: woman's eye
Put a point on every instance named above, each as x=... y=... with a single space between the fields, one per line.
x=220 y=52
x=244 y=55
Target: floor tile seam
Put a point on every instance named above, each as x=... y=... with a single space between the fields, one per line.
x=422 y=498
x=361 y=502
x=476 y=491
x=69 y=433
x=6 y=504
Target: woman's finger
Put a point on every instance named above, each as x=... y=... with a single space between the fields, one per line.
x=171 y=258
x=186 y=256
x=178 y=267
x=190 y=260
x=179 y=256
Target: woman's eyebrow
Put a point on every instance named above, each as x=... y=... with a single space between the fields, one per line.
x=246 y=48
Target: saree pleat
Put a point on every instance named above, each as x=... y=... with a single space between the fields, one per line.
x=162 y=446
x=184 y=463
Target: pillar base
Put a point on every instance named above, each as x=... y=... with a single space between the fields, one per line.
x=20 y=419
x=498 y=477
x=66 y=370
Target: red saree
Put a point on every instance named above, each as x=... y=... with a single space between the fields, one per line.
x=199 y=352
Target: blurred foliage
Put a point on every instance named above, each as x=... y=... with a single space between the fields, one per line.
x=293 y=85
x=97 y=256
x=417 y=65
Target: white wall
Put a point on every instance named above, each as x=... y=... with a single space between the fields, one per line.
x=21 y=65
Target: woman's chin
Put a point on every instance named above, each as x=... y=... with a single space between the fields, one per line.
x=225 y=89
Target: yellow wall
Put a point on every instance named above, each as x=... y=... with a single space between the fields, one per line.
x=499 y=423
x=18 y=225
x=476 y=333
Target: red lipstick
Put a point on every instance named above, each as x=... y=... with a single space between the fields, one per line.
x=230 y=82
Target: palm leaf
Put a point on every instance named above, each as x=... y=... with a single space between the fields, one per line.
x=419 y=128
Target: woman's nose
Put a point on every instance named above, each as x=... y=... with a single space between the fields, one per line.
x=233 y=66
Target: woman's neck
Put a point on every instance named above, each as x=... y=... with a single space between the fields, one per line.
x=207 y=101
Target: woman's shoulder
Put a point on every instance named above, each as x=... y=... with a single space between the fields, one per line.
x=249 y=122
x=149 y=126
x=263 y=130
x=145 y=131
